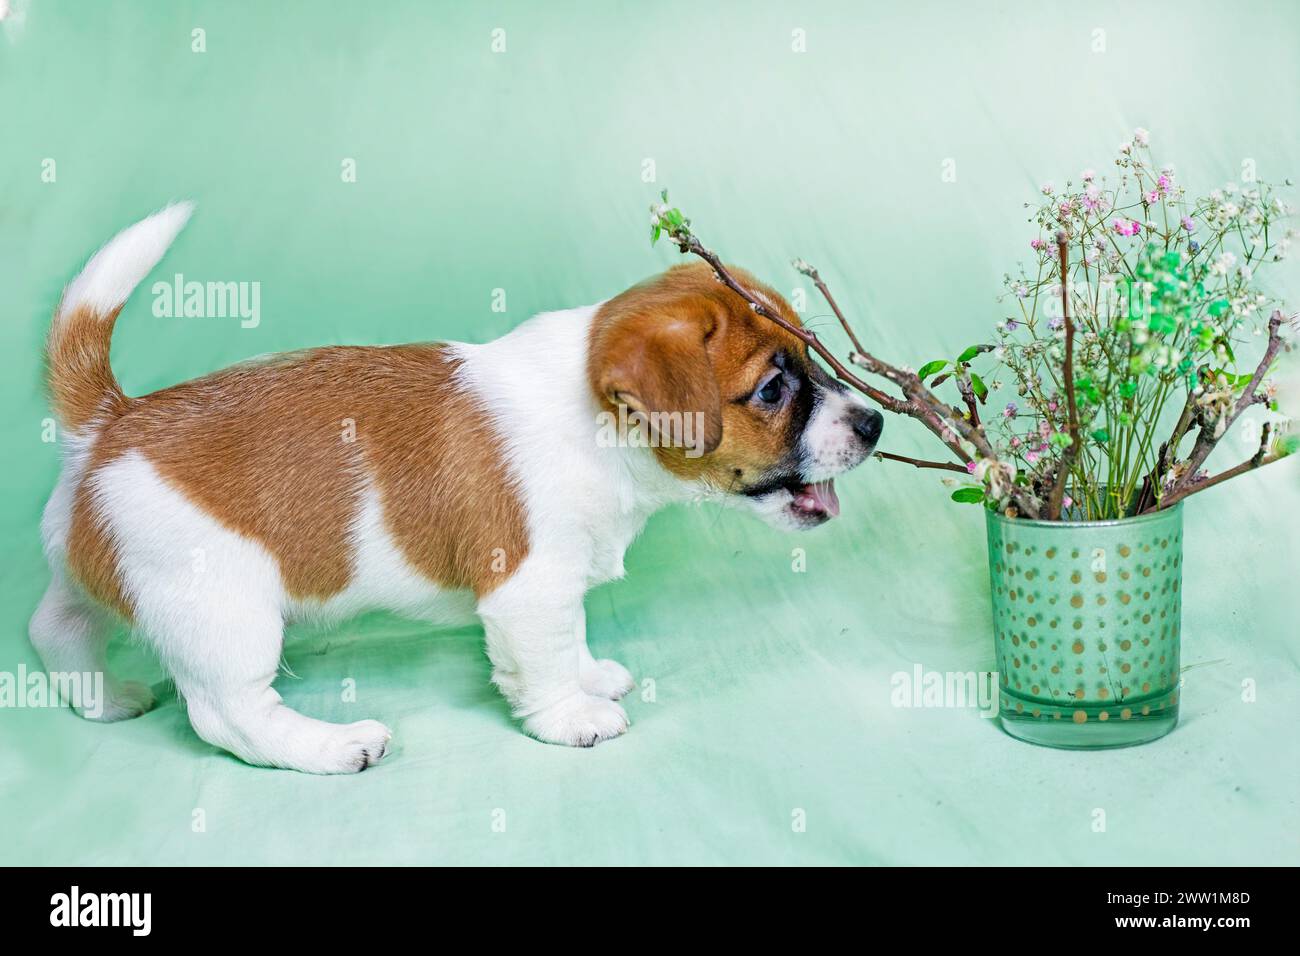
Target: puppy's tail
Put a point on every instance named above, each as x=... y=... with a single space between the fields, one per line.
x=82 y=385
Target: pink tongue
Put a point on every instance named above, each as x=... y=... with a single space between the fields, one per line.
x=822 y=495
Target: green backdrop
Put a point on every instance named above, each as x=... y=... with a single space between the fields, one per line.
x=770 y=735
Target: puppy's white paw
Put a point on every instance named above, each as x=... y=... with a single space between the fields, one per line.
x=126 y=700
x=606 y=678
x=354 y=747
x=577 y=721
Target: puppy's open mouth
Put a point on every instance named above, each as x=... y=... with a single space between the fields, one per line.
x=816 y=500
x=809 y=503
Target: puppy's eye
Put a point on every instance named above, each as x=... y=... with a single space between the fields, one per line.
x=770 y=392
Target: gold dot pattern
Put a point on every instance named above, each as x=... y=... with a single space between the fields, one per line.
x=1119 y=588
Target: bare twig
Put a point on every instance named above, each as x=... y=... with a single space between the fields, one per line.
x=1071 y=453
x=1206 y=437
x=812 y=273
x=1257 y=460
x=919 y=462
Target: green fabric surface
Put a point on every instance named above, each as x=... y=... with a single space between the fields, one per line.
x=523 y=171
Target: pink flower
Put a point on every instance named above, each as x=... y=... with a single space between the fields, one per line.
x=1126 y=227
x=1067 y=501
x=1088 y=175
x=970 y=467
x=1015 y=442
x=1188 y=224
x=1036 y=244
x=1031 y=457
x=1153 y=196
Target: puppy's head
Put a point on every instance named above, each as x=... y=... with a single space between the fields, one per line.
x=727 y=397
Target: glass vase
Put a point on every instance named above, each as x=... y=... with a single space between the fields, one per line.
x=1086 y=623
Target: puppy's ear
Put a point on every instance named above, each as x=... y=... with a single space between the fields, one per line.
x=657 y=363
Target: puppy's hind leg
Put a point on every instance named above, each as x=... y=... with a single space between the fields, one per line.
x=224 y=663
x=70 y=633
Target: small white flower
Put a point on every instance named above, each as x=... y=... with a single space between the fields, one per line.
x=1223 y=264
x=1088 y=175
x=1047 y=189
x=1141 y=137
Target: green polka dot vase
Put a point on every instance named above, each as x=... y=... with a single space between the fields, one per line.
x=1086 y=622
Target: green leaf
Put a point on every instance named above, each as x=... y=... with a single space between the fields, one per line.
x=969 y=354
x=971 y=496
x=1219 y=307
x=654 y=234
x=1101 y=435
x=1128 y=389
x=981 y=390
x=929 y=368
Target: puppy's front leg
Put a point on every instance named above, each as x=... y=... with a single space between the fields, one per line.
x=535 y=639
x=604 y=677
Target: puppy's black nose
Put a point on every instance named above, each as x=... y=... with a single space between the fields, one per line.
x=867 y=423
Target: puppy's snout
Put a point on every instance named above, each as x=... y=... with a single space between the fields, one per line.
x=867 y=423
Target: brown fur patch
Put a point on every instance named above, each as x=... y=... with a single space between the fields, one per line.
x=261 y=447
x=682 y=341
x=81 y=382
x=91 y=557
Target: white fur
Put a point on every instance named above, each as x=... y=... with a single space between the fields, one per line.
x=585 y=505
x=115 y=270
x=829 y=445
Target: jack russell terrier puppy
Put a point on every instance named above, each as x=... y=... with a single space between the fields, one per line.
x=438 y=481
